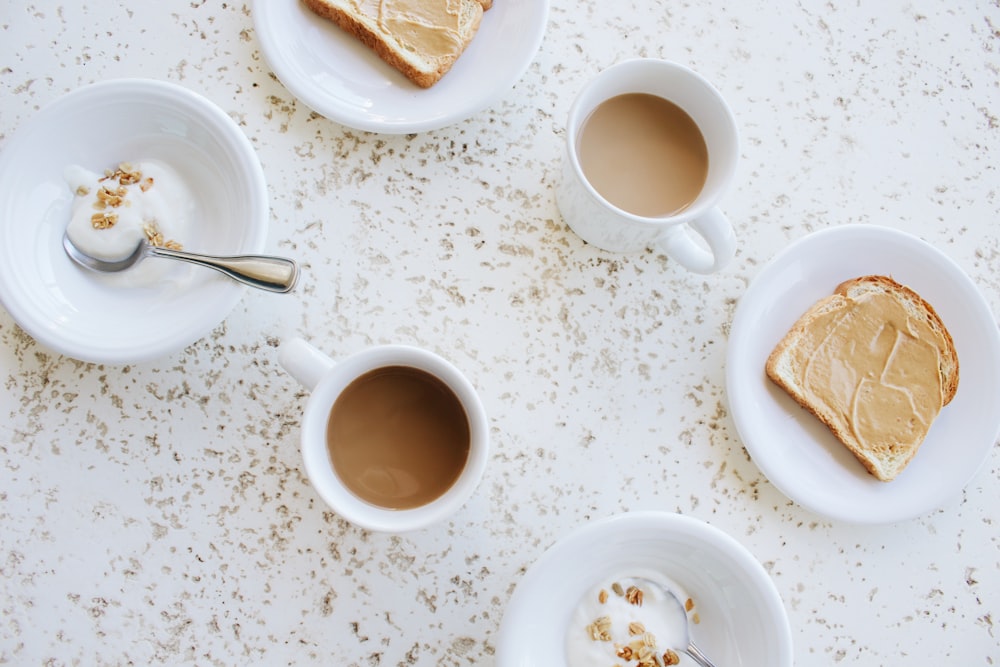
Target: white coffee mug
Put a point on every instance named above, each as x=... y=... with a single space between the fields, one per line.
x=609 y=227
x=326 y=379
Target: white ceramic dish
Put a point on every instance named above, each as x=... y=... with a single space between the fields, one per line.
x=792 y=448
x=82 y=314
x=742 y=619
x=340 y=78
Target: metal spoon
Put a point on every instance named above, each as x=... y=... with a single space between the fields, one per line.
x=672 y=600
x=274 y=274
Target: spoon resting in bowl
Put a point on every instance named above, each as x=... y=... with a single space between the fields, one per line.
x=266 y=272
x=674 y=603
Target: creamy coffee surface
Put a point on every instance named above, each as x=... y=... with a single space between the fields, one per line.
x=644 y=154
x=398 y=437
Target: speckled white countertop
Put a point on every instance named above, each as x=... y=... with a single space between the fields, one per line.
x=159 y=513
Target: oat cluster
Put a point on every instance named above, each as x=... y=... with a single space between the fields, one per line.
x=641 y=650
x=112 y=194
x=155 y=237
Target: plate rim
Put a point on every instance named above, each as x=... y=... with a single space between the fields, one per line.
x=737 y=344
x=349 y=117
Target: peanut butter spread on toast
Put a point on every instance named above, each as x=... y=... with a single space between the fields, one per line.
x=429 y=28
x=876 y=368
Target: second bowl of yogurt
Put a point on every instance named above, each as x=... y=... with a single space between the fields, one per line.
x=584 y=601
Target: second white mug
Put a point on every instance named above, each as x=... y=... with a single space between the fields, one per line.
x=607 y=226
x=328 y=380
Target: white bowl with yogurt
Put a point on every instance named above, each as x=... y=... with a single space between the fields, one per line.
x=736 y=616
x=209 y=194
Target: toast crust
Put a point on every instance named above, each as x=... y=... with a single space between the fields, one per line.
x=422 y=69
x=881 y=456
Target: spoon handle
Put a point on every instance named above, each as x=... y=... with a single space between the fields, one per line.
x=274 y=274
x=695 y=653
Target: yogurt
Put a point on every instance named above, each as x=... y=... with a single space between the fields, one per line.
x=112 y=213
x=609 y=618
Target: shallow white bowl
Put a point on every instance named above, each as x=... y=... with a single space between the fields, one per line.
x=742 y=619
x=83 y=315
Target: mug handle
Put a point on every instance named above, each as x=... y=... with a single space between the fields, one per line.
x=304 y=362
x=718 y=233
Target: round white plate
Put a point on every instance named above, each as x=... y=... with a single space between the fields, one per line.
x=340 y=78
x=93 y=317
x=792 y=448
x=742 y=620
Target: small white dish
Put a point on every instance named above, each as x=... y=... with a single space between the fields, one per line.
x=85 y=315
x=742 y=620
x=337 y=76
x=792 y=448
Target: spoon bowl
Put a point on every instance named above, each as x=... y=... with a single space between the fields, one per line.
x=266 y=272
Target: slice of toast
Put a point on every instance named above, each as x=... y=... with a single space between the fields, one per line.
x=420 y=38
x=874 y=362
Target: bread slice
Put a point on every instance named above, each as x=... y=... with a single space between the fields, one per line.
x=420 y=38
x=875 y=363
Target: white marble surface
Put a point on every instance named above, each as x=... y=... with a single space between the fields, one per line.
x=159 y=513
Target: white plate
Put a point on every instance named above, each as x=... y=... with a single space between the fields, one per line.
x=93 y=317
x=742 y=621
x=340 y=78
x=792 y=448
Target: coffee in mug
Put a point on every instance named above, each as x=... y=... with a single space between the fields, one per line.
x=394 y=438
x=644 y=154
x=398 y=437
x=651 y=148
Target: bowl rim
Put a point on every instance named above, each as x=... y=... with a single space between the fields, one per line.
x=133 y=90
x=643 y=521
